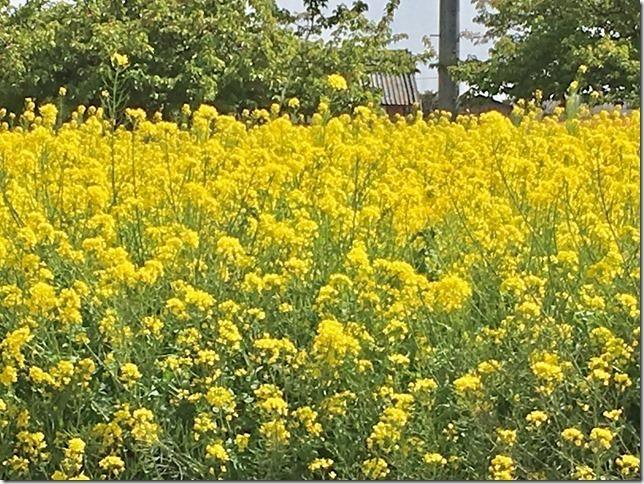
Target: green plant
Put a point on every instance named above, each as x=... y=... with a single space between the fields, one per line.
x=234 y=54
x=542 y=44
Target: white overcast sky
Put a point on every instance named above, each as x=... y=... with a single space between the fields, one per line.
x=417 y=18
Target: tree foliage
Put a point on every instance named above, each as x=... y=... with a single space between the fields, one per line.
x=233 y=53
x=541 y=44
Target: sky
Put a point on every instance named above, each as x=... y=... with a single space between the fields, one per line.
x=417 y=18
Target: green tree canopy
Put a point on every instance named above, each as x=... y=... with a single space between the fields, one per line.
x=540 y=44
x=234 y=54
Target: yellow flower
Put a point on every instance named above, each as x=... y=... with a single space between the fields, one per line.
x=276 y=348
x=129 y=374
x=308 y=417
x=502 y=468
x=12 y=344
x=399 y=360
x=113 y=465
x=488 y=367
x=19 y=465
x=32 y=445
x=433 y=458
x=144 y=429
x=375 y=468
x=506 y=436
x=613 y=414
x=423 y=385
x=135 y=115
x=628 y=464
x=320 y=464
x=241 y=441
x=333 y=343
x=573 y=435
x=119 y=60
x=549 y=369
x=49 y=113
x=217 y=451
x=274 y=405
x=536 y=418
x=8 y=375
x=275 y=432
x=203 y=423
x=601 y=438
x=622 y=381
x=583 y=473
x=468 y=384
x=449 y=293
x=151 y=326
x=79 y=477
x=228 y=334
x=221 y=399
x=337 y=82
x=76 y=446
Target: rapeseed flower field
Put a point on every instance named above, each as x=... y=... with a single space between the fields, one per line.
x=355 y=298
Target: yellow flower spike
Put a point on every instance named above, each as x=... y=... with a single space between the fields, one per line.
x=120 y=60
x=320 y=464
x=242 y=441
x=502 y=468
x=434 y=459
x=375 y=468
x=112 y=465
x=129 y=374
x=613 y=415
x=217 y=452
x=468 y=385
x=629 y=465
x=506 y=436
x=536 y=419
x=601 y=439
x=583 y=473
x=275 y=433
x=574 y=436
x=337 y=82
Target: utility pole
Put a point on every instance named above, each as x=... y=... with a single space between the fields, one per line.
x=448 y=51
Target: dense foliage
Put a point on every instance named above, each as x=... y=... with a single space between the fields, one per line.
x=541 y=44
x=253 y=298
x=233 y=53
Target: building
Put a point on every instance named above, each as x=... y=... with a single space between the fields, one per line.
x=399 y=93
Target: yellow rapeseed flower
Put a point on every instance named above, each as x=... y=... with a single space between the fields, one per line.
x=337 y=82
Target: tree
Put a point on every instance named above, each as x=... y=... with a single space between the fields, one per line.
x=234 y=54
x=344 y=40
x=541 y=44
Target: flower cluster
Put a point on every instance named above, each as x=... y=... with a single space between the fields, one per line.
x=358 y=297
